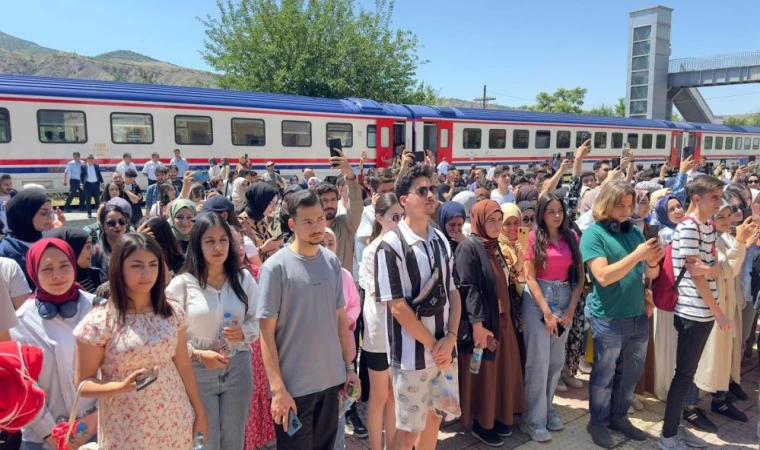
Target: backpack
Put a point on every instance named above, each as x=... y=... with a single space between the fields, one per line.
x=428 y=300
x=665 y=286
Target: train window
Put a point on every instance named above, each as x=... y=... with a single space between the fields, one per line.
x=131 y=128
x=61 y=127
x=747 y=143
x=296 y=133
x=579 y=138
x=661 y=141
x=633 y=140
x=520 y=139
x=719 y=143
x=617 y=140
x=600 y=139
x=729 y=143
x=385 y=136
x=543 y=139
x=646 y=141
x=5 y=125
x=193 y=130
x=756 y=144
x=371 y=136
x=497 y=138
x=471 y=137
x=708 y=143
x=249 y=132
x=563 y=139
x=738 y=143
x=342 y=131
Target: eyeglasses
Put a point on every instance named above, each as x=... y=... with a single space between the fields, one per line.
x=753 y=181
x=529 y=219
x=113 y=223
x=425 y=190
x=735 y=209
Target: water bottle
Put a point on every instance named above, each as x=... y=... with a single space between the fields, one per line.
x=223 y=343
x=198 y=442
x=477 y=358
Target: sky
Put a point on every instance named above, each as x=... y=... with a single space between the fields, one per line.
x=516 y=48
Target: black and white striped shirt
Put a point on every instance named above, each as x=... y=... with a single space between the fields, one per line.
x=393 y=281
x=691 y=239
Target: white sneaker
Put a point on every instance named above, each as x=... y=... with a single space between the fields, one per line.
x=689 y=439
x=672 y=443
x=572 y=382
x=561 y=387
x=585 y=367
x=636 y=403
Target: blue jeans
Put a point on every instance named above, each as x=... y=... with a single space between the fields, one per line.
x=620 y=348
x=545 y=352
x=226 y=395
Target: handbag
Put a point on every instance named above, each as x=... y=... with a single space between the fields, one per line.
x=73 y=418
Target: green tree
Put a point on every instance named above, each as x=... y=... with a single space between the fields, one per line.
x=620 y=107
x=747 y=121
x=562 y=101
x=602 y=110
x=322 y=48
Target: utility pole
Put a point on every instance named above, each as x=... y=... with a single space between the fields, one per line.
x=485 y=99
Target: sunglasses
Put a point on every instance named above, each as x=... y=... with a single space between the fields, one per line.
x=425 y=190
x=529 y=219
x=753 y=181
x=113 y=223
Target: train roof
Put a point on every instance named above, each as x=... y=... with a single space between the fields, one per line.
x=137 y=92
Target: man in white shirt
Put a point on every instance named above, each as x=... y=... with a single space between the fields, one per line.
x=214 y=170
x=71 y=177
x=92 y=179
x=125 y=164
x=503 y=192
x=6 y=192
x=443 y=166
x=149 y=169
x=492 y=172
x=180 y=162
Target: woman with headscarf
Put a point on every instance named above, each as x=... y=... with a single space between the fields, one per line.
x=181 y=214
x=493 y=396
x=451 y=217
x=29 y=214
x=468 y=200
x=527 y=194
x=513 y=254
x=81 y=243
x=47 y=320
x=528 y=212
x=482 y=194
x=313 y=183
x=238 y=192
x=260 y=202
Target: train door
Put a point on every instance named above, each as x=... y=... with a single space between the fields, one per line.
x=445 y=138
x=675 y=148
x=384 y=143
x=695 y=142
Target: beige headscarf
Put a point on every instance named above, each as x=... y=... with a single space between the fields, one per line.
x=507 y=249
x=657 y=195
x=238 y=193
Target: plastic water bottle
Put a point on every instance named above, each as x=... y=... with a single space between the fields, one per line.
x=226 y=322
x=477 y=358
x=198 y=442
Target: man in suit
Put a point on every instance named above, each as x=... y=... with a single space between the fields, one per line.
x=91 y=179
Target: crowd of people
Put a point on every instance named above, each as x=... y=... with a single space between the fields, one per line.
x=233 y=310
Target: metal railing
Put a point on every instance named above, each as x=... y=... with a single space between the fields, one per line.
x=725 y=61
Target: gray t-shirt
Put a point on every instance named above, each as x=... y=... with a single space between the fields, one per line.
x=272 y=179
x=303 y=294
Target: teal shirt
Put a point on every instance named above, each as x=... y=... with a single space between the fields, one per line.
x=625 y=297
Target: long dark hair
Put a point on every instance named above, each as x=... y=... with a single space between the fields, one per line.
x=165 y=238
x=106 y=195
x=383 y=204
x=195 y=264
x=128 y=244
x=542 y=232
x=163 y=193
x=102 y=214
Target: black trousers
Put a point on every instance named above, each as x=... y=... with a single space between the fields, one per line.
x=10 y=441
x=692 y=337
x=91 y=194
x=75 y=190
x=318 y=414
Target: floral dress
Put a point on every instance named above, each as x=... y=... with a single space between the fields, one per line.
x=158 y=417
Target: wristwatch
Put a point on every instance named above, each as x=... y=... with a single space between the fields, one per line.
x=350 y=368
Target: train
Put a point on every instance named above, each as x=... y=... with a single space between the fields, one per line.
x=43 y=121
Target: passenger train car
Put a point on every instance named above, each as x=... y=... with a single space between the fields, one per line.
x=44 y=120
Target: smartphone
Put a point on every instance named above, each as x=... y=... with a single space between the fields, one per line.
x=493 y=344
x=722 y=162
x=653 y=231
x=283 y=237
x=522 y=237
x=615 y=163
x=570 y=155
x=246 y=156
x=626 y=150
x=146 y=379
x=743 y=162
x=560 y=327
x=751 y=158
x=201 y=176
x=335 y=145
x=294 y=424
x=687 y=152
x=419 y=157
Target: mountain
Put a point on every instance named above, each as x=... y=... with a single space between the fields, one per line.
x=21 y=57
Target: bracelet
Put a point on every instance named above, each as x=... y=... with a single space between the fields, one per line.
x=350 y=368
x=452 y=333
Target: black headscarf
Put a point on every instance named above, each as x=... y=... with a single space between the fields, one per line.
x=257 y=198
x=20 y=213
x=75 y=237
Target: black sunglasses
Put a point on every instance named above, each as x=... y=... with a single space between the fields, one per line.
x=755 y=181
x=113 y=223
x=529 y=219
x=425 y=190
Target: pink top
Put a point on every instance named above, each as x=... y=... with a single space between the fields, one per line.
x=558 y=259
x=353 y=304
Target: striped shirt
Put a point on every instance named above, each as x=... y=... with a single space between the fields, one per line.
x=691 y=239
x=393 y=281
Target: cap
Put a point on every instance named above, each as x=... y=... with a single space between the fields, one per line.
x=270 y=163
x=23 y=399
x=217 y=204
x=121 y=203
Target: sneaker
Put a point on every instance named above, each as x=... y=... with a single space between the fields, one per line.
x=729 y=397
x=631 y=410
x=626 y=427
x=585 y=367
x=488 y=437
x=536 y=434
x=501 y=429
x=727 y=409
x=698 y=418
x=689 y=439
x=561 y=386
x=355 y=425
x=672 y=443
x=600 y=435
x=554 y=423
x=636 y=403
x=737 y=391
x=571 y=382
